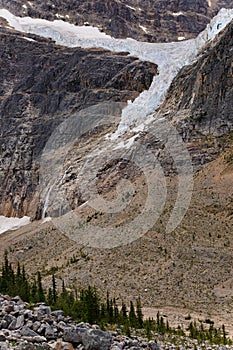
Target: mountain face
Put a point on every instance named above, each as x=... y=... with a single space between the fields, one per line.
x=42 y=84
x=144 y=20
x=200 y=97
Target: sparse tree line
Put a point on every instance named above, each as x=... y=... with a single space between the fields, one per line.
x=87 y=306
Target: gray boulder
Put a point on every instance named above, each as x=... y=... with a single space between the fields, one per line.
x=4 y=346
x=43 y=310
x=2 y=337
x=19 y=322
x=36 y=326
x=153 y=346
x=95 y=339
x=27 y=332
x=49 y=332
x=57 y=313
x=74 y=335
x=8 y=319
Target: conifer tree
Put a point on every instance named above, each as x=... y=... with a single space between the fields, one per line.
x=111 y=312
x=148 y=328
x=40 y=291
x=123 y=313
x=54 y=289
x=18 y=274
x=116 y=311
x=139 y=313
x=50 y=297
x=224 y=335
x=25 y=286
x=34 y=291
x=103 y=312
x=132 y=316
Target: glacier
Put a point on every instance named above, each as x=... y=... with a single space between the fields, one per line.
x=170 y=57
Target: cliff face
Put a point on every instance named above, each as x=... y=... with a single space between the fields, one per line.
x=200 y=99
x=41 y=84
x=145 y=20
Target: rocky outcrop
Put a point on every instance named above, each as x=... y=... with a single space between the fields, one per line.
x=145 y=20
x=200 y=99
x=41 y=85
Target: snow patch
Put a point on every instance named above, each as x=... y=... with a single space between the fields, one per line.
x=170 y=58
x=28 y=39
x=143 y=28
x=83 y=205
x=126 y=144
x=47 y=219
x=176 y=14
x=209 y=3
x=24 y=6
x=9 y=224
x=131 y=7
x=59 y=16
x=180 y=38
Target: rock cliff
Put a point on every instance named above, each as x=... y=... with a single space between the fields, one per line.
x=200 y=98
x=41 y=84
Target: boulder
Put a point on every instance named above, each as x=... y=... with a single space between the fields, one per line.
x=153 y=346
x=19 y=322
x=8 y=319
x=36 y=326
x=74 y=335
x=95 y=339
x=27 y=332
x=49 y=332
x=2 y=337
x=57 y=313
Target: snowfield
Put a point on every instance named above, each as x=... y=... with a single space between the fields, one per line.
x=7 y=224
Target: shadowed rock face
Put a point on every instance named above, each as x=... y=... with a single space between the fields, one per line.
x=40 y=85
x=145 y=20
x=200 y=98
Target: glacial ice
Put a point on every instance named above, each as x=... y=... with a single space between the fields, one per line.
x=170 y=57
